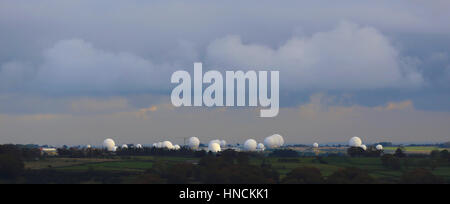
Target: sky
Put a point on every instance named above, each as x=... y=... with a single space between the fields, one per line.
x=77 y=72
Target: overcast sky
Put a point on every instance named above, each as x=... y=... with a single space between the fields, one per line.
x=76 y=72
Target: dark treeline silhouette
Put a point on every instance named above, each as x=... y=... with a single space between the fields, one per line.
x=360 y=152
x=52 y=176
x=12 y=159
x=82 y=153
x=235 y=169
x=284 y=153
x=151 y=151
x=145 y=151
x=227 y=167
x=445 y=145
x=401 y=161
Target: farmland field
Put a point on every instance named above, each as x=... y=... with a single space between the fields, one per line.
x=137 y=165
x=129 y=164
x=416 y=149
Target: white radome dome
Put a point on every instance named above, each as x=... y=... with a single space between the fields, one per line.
x=274 y=141
x=223 y=143
x=355 y=142
x=88 y=146
x=176 y=147
x=261 y=147
x=280 y=139
x=379 y=147
x=214 y=147
x=269 y=142
x=316 y=145
x=167 y=145
x=364 y=147
x=250 y=145
x=139 y=146
x=109 y=145
x=214 y=141
x=124 y=146
x=193 y=143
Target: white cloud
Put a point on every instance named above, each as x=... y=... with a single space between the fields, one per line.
x=77 y=66
x=349 y=57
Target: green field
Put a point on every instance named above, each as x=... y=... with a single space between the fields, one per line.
x=416 y=149
x=129 y=164
x=371 y=165
x=327 y=165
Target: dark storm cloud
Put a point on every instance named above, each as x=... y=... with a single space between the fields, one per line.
x=116 y=47
x=76 y=72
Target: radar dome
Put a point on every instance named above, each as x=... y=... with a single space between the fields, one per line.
x=250 y=145
x=214 y=147
x=139 y=146
x=176 y=147
x=214 y=141
x=193 y=143
x=364 y=147
x=261 y=147
x=316 y=145
x=223 y=143
x=274 y=141
x=109 y=145
x=379 y=147
x=167 y=145
x=355 y=142
x=124 y=146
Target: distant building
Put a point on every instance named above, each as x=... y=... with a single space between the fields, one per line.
x=49 y=152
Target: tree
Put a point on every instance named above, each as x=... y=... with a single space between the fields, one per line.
x=284 y=153
x=420 y=176
x=435 y=154
x=399 y=153
x=304 y=175
x=233 y=168
x=180 y=173
x=356 y=152
x=350 y=176
x=445 y=154
x=373 y=152
x=11 y=162
x=391 y=162
x=243 y=158
x=11 y=166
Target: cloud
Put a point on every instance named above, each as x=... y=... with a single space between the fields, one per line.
x=325 y=118
x=39 y=117
x=405 y=105
x=331 y=104
x=90 y=105
x=143 y=112
x=15 y=75
x=76 y=66
x=349 y=57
